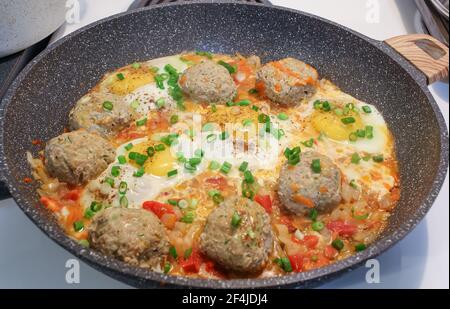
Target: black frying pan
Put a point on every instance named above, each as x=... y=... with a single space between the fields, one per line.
x=37 y=104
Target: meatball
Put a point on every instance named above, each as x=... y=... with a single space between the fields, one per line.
x=135 y=236
x=301 y=189
x=208 y=82
x=102 y=113
x=287 y=81
x=78 y=156
x=238 y=236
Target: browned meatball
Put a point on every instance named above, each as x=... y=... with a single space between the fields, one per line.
x=238 y=236
x=287 y=81
x=78 y=156
x=301 y=189
x=208 y=82
x=135 y=236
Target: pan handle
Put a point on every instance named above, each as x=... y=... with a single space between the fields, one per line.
x=425 y=52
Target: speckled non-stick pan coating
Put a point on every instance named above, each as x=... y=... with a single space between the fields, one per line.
x=37 y=106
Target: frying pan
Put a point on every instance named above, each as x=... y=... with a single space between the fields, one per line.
x=38 y=102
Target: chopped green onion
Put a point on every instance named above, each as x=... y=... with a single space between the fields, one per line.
x=173 y=252
x=205 y=54
x=172 y=173
x=132 y=155
x=150 y=151
x=218 y=198
x=359 y=217
x=263 y=118
x=188 y=217
x=353 y=137
x=338 y=244
x=367 y=158
x=313 y=214
x=208 y=127
x=308 y=143
x=369 y=132
x=123 y=187
x=78 y=226
x=213 y=108
x=247 y=122
x=231 y=69
x=366 y=109
x=194 y=161
x=226 y=167
x=159 y=81
x=122 y=159
x=317 y=226
x=160 y=147
x=211 y=138
x=123 y=201
x=189 y=167
x=174 y=119
x=315 y=166
x=278 y=133
x=96 y=206
x=172 y=202
x=338 y=111
x=107 y=105
x=355 y=158
x=255 y=108
x=283 y=116
x=360 y=247
x=248 y=177
x=199 y=153
x=317 y=104
x=141 y=122
x=167 y=267
x=326 y=106
x=378 y=158
x=88 y=213
x=244 y=103
x=187 y=253
x=348 y=120
x=120 y=76
x=243 y=167
x=253 y=91
x=115 y=171
x=128 y=147
x=160 y=102
x=361 y=133
x=284 y=264
x=229 y=103
x=109 y=181
x=236 y=219
x=140 y=159
x=224 y=135
x=214 y=165
x=139 y=173
x=170 y=139
x=353 y=184
x=182 y=204
x=136 y=65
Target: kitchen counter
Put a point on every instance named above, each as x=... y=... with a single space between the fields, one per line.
x=29 y=259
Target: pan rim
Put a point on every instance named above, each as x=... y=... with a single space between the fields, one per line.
x=140 y=276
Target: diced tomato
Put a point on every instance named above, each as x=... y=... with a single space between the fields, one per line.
x=342 y=228
x=217 y=182
x=329 y=252
x=50 y=203
x=311 y=241
x=192 y=263
x=211 y=268
x=265 y=202
x=72 y=195
x=159 y=209
x=296 y=262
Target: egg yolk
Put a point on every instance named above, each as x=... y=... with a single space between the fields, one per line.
x=332 y=126
x=159 y=164
x=130 y=80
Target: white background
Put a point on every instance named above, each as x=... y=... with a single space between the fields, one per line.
x=28 y=259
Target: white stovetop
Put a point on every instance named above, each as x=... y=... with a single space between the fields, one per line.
x=28 y=259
